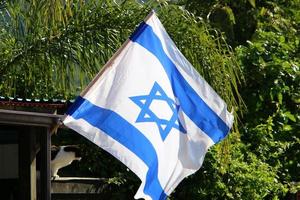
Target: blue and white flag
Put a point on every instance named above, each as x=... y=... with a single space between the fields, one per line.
x=152 y=110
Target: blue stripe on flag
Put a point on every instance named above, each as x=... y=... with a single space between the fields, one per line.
x=126 y=134
x=194 y=107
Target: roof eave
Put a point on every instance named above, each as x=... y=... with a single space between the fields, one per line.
x=29 y=118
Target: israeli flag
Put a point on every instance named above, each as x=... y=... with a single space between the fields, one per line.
x=151 y=110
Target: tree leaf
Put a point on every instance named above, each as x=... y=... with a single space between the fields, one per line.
x=290 y=116
x=252 y=2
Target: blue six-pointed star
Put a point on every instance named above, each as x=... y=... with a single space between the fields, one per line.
x=147 y=115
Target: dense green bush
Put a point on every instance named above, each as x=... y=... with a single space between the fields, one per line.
x=262 y=161
x=272 y=92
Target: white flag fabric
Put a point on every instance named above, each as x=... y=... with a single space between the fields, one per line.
x=152 y=110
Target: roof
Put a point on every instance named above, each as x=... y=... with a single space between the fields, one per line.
x=35 y=105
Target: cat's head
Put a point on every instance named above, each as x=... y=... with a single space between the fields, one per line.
x=75 y=149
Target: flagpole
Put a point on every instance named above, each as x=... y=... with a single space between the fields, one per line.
x=111 y=60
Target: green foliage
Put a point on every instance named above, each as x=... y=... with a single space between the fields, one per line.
x=264 y=162
x=234 y=18
x=271 y=64
x=52 y=49
x=245 y=177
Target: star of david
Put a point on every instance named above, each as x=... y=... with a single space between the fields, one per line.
x=148 y=115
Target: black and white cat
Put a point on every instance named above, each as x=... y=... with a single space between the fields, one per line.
x=63 y=156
